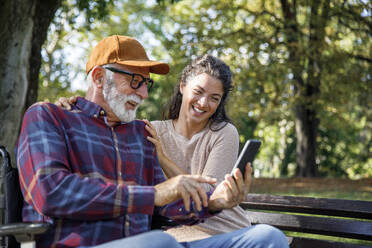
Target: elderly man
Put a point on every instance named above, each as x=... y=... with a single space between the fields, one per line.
x=93 y=174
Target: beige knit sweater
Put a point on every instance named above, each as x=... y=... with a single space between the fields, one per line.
x=207 y=153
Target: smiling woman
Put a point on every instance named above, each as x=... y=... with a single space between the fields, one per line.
x=198 y=138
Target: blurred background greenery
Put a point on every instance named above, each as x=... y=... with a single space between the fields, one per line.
x=302 y=70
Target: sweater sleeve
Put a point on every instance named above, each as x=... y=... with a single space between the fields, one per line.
x=223 y=153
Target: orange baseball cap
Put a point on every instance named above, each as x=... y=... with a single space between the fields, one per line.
x=123 y=50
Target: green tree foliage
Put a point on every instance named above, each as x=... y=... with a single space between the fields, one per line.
x=126 y=18
x=77 y=26
x=24 y=30
x=69 y=29
x=301 y=68
x=297 y=65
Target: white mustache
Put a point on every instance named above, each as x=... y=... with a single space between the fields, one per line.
x=134 y=98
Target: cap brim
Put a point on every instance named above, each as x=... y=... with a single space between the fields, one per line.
x=155 y=66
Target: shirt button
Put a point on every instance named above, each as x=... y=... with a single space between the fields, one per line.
x=102 y=112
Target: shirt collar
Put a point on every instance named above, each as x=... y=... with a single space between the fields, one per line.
x=90 y=108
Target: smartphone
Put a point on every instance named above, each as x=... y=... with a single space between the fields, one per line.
x=248 y=154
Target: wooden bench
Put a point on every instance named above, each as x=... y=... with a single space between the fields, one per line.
x=300 y=216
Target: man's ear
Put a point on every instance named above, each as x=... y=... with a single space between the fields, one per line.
x=181 y=87
x=98 y=76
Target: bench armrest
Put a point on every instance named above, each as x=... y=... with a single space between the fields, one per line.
x=23 y=231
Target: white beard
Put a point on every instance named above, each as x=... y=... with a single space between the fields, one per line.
x=117 y=100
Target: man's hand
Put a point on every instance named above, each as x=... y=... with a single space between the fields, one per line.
x=183 y=186
x=66 y=103
x=231 y=192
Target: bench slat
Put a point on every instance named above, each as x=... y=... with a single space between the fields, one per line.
x=315 y=225
x=321 y=206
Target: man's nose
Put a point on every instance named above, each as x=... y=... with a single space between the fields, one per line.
x=142 y=91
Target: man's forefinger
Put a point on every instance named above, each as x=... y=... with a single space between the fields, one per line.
x=205 y=179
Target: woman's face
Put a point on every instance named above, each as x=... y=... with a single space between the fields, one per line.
x=200 y=98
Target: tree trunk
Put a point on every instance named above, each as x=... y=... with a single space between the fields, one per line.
x=306 y=131
x=23 y=30
x=307 y=122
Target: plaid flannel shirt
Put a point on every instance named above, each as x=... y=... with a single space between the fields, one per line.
x=93 y=182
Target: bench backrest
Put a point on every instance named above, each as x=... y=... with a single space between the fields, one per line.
x=331 y=217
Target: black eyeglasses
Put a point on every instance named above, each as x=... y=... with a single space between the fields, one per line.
x=136 y=81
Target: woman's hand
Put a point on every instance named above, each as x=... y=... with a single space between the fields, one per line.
x=155 y=140
x=169 y=167
x=232 y=191
x=65 y=102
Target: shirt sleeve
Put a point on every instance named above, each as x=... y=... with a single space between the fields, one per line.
x=176 y=210
x=54 y=190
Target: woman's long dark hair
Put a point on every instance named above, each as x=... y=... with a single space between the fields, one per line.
x=214 y=67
